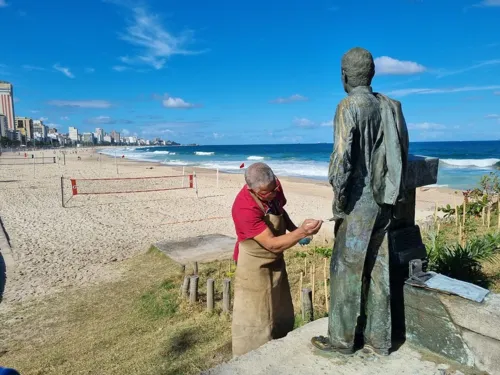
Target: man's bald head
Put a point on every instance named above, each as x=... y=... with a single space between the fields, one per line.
x=259 y=175
x=358 y=67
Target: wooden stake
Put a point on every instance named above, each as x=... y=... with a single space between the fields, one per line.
x=483 y=215
x=300 y=289
x=438 y=228
x=326 y=287
x=313 y=280
x=464 y=214
x=226 y=296
x=185 y=287
x=307 y=306
x=456 y=210
x=305 y=266
x=435 y=212
x=459 y=239
x=193 y=289
x=498 y=213
x=195 y=268
x=210 y=295
x=488 y=217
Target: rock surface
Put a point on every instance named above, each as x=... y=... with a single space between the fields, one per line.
x=294 y=354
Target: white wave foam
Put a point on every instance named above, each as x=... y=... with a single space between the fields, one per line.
x=474 y=163
x=175 y=162
x=203 y=153
x=256 y=157
x=162 y=152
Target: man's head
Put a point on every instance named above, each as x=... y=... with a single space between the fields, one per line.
x=358 y=68
x=261 y=180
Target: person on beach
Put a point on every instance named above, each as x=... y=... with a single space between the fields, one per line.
x=263 y=308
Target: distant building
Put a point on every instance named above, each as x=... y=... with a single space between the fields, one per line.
x=7 y=103
x=115 y=136
x=107 y=139
x=88 y=138
x=52 y=131
x=73 y=134
x=39 y=131
x=3 y=126
x=14 y=135
x=24 y=125
x=99 y=135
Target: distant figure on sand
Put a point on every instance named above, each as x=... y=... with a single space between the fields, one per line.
x=263 y=307
x=367 y=172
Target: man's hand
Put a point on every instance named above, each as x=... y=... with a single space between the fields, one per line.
x=311 y=226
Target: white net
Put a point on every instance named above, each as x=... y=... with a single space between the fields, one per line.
x=90 y=186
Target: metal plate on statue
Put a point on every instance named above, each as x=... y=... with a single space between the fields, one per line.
x=406 y=245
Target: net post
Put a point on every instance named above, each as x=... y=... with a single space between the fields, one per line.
x=54 y=159
x=195 y=183
x=62 y=191
x=74 y=188
x=34 y=166
x=190 y=181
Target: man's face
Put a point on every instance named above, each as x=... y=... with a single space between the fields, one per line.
x=267 y=193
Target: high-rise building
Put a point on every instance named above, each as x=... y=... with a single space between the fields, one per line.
x=39 y=131
x=88 y=138
x=3 y=125
x=25 y=127
x=7 y=103
x=115 y=136
x=73 y=134
x=99 y=134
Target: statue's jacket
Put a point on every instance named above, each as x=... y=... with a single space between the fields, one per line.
x=367 y=172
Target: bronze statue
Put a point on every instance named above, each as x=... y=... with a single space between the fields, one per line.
x=367 y=172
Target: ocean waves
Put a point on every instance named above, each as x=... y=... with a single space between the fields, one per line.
x=470 y=163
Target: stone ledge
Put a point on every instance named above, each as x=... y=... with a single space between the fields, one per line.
x=456 y=328
x=294 y=354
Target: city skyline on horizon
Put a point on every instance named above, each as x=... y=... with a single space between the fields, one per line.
x=261 y=75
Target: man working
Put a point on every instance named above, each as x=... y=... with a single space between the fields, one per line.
x=367 y=173
x=263 y=307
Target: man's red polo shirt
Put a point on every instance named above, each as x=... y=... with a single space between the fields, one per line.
x=248 y=217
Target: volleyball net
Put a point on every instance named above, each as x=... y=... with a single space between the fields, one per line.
x=28 y=160
x=127 y=185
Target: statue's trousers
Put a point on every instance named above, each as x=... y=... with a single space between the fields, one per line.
x=359 y=284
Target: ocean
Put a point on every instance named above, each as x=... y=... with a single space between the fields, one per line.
x=461 y=163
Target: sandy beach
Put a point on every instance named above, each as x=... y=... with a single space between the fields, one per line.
x=58 y=248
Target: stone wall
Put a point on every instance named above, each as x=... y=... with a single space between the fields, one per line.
x=456 y=328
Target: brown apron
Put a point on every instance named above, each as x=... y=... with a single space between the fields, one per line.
x=263 y=308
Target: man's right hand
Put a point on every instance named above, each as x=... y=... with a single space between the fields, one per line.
x=311 y=226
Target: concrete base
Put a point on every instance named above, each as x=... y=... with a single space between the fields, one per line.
x=206 y=248
x=462 y=330
x=294 y=354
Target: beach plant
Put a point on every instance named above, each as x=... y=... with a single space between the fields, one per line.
x=325 y=252
x=463 y=262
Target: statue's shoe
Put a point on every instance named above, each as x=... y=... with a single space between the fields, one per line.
x=381 y=352
x=322 y=343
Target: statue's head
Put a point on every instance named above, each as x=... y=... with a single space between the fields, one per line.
x=358 y=68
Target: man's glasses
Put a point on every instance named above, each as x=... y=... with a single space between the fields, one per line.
x=270 y=193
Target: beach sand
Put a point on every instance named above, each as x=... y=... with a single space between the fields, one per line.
x=58 y=248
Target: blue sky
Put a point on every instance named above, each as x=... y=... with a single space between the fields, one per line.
x=231 y=72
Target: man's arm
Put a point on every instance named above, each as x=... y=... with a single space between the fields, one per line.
x=341 y=163
x=280 y=243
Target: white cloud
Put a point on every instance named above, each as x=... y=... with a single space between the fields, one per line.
x=154 y=43
x=303 y=122
x=101 y=120
x=81 y=103
x=34 y=111
x=44 y=119
x=63 y=70
x=217 y=135
x=472 y=67
x=125 y=132
x=496 y=93
x=292 y=98
x=32 y=67
x=426 y=126
x=178 y=103
x=386 y=65
x=120 y=68
x=327 y=123
x=89 y=70
x=3 y=4
x=424 y=91
x=489 y=3
x=64 y=118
